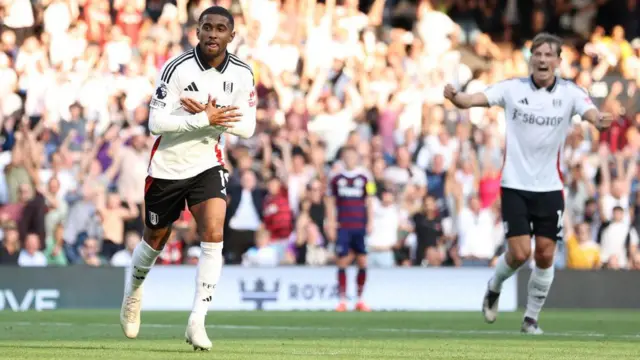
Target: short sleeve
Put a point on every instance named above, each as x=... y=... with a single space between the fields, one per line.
x=497 y=93
x=581 y=100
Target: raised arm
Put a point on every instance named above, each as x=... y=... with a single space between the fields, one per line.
x=331 y=221
x=493 y=95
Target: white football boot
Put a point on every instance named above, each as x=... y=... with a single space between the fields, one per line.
x=196 y=335
x=490 y=305
x=530 y=326
x=130 y=313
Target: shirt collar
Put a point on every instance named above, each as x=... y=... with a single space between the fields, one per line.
x=204 y=65
x=549 y=88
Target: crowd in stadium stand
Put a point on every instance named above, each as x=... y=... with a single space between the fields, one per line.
x=76 y=77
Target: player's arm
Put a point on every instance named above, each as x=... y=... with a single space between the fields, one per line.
x=166 y=99
x=493 y=95
x=633 y=246
x=583 y=106
x=246 y=100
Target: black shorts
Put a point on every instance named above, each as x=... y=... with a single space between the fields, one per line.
x=533 y=213
x=165 y=199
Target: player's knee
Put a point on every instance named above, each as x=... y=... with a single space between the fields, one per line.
x=544 y=256
x=156 y=238
x=213 y=235
x=520 y=256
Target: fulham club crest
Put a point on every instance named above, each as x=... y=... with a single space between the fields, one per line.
x=153 y=218
x=227 y=87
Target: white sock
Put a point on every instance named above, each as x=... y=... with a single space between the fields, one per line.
x=502 y=273
x=209 y=269
x=144 y=256
x=539 y=285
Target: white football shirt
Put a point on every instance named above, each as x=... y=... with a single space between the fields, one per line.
x=187 y=145
x=538 y=121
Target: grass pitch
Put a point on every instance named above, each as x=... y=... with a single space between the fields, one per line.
x=90 y=334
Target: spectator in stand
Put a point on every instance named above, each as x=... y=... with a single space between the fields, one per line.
x=430 y=238
x=245 y=216
x=582 y=251
x=10 y=246
x=475 y=227
x=83 y=221
x=619 y=242
x=113 y=218
x=264 y=254
x=615 y=191
x=306 y=246
x=31 y=256
x=54 y=250
x=278 y=217
x=384 y=236
x=173 y=253
x=123 y=257
x=89 y=253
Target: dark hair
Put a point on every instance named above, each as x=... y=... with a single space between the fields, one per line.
x=217 y=10
x=546 y=38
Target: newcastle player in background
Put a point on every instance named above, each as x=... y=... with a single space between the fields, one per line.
x=349 y=211
x=200 y=95
x=538 y=112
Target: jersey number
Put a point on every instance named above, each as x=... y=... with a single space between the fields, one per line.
x=224 y=178
x=559 y=225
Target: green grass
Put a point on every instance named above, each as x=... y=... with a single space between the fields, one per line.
x=90 y=334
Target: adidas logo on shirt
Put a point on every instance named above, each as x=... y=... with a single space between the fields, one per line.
x=191 y=87
x=524 y=101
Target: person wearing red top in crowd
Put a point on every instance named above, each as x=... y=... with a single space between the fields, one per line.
x=489 y=185
x=172 y=254
x=99 y=20
x=278 y=218
x=129 y=18
x=616 y=135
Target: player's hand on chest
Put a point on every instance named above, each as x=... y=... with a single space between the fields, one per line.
x=222 y=89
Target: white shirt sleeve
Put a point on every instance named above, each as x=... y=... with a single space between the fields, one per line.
x=246 y=101
x=497 y=93
x=581 y=100
x=165 y=100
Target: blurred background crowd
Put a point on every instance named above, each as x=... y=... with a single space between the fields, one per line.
x=76 y=77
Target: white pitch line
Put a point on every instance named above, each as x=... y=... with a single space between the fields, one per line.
x=311 y=328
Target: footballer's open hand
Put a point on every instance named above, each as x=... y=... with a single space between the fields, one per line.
x=192 y=106
x=223 y=116
x=605 y=121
